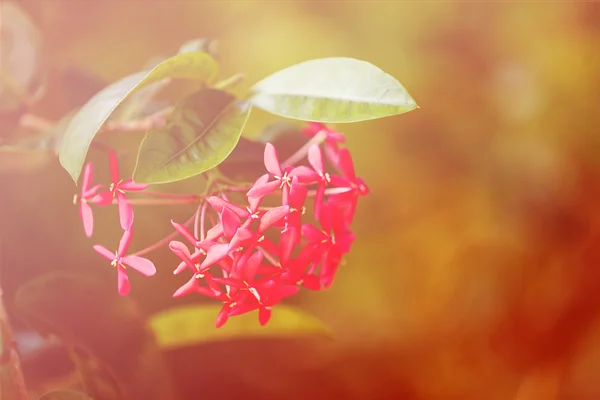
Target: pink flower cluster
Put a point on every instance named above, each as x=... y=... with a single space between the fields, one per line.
x=254 y=255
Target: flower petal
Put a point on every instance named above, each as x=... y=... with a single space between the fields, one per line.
x=130 y=186
x=104 y=252
x=251 y=266
x=85 y=212
x=215 y=254
x=254 y=202
x=230 y=222
x=125 y=211
x=259 y=192
x=124 y=243
x=218 y=203
x=88 y=176
x=104 y=198
x=189 y=287
x=272 y=161
x=270 y=217
x=345 y=164
x=312 y=233
x=223 y=316
x=114 y=167
x=287 y=242
x=304 y=174
x=315 y=158
x=214 y=233
x=183 y=231
x=264 y=315
x=140 y=264
x=123 y=284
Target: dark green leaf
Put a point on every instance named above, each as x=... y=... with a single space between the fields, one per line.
x=197 y=66
x=106 y=332
x=21 y=66
x=191 y=325
x=332 y=90
x=203 y=130
x=65 y=395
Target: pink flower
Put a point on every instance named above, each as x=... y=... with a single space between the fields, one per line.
x=88 y=195
x=332 y=138
x=315 y=159
x=117 y=190
x=355 y=186
x=331 y=242
x=282 y=176
x=120 y=261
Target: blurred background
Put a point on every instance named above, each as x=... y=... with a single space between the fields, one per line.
x=476 y=269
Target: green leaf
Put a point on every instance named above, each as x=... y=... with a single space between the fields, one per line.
x=203 y=130
x=84 y=126
x=195 y=324
x=109 y=341
x=64 y=395
x=332 y=90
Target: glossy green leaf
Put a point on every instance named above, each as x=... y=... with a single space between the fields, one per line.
x=203 y=130
x=195 y=324
x=90 y=118
x=106 y=333
x=64 y=395
x=332 y=90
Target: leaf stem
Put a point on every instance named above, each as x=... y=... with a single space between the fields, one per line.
x=303 y=151
x=172 y=195
x=163 y=241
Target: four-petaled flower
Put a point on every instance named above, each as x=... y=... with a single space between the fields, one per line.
x=89 y=194
x=117 y=190
x=121 y=261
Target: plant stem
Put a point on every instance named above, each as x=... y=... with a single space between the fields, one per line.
x=230 y=82
x=160 y=202
x=163 y=241
x=172 y=196
x=303 y=151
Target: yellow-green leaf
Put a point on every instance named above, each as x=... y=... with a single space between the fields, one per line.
x=332 y=90
x=64 y=395
x=90 y=118
x=195 y=324
x=203 y=130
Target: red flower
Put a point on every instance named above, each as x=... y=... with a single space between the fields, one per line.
x=282 y=176
x=355 y=186
x=330 y=243
x=88 y=195
x=332 y=138
x=315 y=159
x=117 y=190
x=120 y=261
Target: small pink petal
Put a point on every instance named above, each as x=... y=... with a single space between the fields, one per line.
x=182 y=267
x=242 y=235
x=215 y=254
x=261 y=191
x=230 y=222
x=254 y=202
x=287 y=242
x=345 y=164
x=315 y=158
x=114 y=167
x=88 y=176
x=312 y=233
x=124 y=243
x=272 y=161
x=140 y=264
x=130 y=186
x=104 y=199
x=125 y=211
x=311 y=282
x=223 y=316
x=305 y=174
x=123 y=281
x=272 y=216
x=183 y=231
x=177 y=247
x=319 y=200
x=214 y=233
x=189 y=287
x=249 y=270
x=219 y=203
x=264 y=315
x=85 y=211
x=104 y=252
